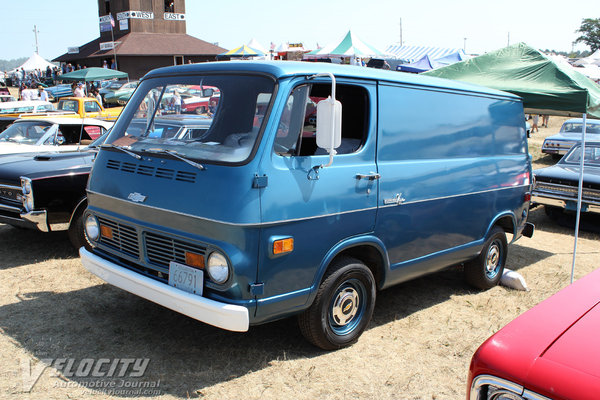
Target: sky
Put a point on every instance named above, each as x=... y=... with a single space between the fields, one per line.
x=478 y=26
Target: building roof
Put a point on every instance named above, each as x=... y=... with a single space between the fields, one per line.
x=147 y=44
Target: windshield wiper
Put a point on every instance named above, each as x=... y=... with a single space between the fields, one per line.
x=176 y=155
x=124 y=150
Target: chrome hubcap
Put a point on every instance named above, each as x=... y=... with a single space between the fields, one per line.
x=493 y=259
x=345 y=306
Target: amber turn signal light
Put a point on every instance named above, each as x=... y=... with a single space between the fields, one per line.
x=283 y=246
x=106 y=231
x=194 y=260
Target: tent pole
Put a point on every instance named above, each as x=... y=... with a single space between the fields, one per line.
x=579 y=192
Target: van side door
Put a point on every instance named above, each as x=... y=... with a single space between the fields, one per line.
x=317 y=207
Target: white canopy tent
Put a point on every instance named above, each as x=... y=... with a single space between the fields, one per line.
x=593 y=59
x=34 y=62
x=256 y=45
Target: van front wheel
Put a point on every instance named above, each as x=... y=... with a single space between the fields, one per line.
x=485 y=271
x=343 y=306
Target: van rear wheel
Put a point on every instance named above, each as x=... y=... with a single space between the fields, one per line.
x=343 y=306
x=485 y=271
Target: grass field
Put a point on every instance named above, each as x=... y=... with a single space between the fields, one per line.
x=418 y=345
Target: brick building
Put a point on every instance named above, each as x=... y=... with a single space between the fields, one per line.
x=147 y=34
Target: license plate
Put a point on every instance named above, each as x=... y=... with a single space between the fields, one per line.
x=186 y=278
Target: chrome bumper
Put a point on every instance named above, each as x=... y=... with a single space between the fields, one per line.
x=226 y=316
x=38 y=218
x=562 y=203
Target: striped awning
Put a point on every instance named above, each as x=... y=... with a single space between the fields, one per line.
x=242 y=51
x=350 y=45
x=411 y=54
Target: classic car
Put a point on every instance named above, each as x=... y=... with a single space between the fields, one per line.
x=549 y=352
x=570 y=134
x=27 y=135
x=59 y=91
x=196 y=99
x=6 y=97
x=120 y=96
x=46 y=191
x=173 y=126
x=556 y=187
x=17 y=108
x=88 y=107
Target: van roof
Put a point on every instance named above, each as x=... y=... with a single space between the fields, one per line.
x=283 y=69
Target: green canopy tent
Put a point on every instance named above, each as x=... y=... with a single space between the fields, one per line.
x=545 y=86
x=92 y=74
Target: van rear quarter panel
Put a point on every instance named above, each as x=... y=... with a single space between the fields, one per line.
x=459 y=160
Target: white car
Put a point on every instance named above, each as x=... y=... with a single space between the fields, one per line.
x=6 y=97
x=28 y=135
x=15 y=108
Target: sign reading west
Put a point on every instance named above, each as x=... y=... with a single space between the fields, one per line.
x=135 y=15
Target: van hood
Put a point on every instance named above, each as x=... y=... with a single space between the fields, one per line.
x=163 y=185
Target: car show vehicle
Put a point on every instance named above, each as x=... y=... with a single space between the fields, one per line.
x=46 y=191
x=87 y=107
x=31 y=135
x=252 y=220
x=18 y=108
x=569 y=135
x=120 y=96
x=556 y=187
x=196 y=99
x=57 y=92
x=548 y=352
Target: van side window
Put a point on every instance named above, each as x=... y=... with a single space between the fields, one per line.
x=297 y=126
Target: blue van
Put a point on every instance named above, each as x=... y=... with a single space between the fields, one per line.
x=306 y=189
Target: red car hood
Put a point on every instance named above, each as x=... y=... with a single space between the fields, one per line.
x=552 y=349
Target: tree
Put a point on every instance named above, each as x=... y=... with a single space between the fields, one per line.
x=590 y=33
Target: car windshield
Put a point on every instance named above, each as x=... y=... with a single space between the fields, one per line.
x=577 y=127
x=223 y=129
x=68 y=105
x=25 y=132
x=592 y=156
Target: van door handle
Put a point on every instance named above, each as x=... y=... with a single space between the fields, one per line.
x=372 y=176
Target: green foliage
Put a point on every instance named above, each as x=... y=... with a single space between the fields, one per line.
x=7 y=65
x=590 y=33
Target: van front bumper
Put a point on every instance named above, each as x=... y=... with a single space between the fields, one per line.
x=226 y=316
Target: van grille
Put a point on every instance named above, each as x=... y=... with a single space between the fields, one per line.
x=161 y=250
x=148 y=170
x=124 y=237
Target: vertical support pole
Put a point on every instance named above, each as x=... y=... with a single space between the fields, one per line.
x=579 y=193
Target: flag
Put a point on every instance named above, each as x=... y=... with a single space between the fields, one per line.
x=112 y=21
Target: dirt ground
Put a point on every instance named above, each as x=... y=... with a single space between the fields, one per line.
x=418 y=345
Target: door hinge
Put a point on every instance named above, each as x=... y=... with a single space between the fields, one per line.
x=257 y=289
x=260 y=182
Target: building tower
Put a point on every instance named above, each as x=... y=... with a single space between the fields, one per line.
x=140 y=35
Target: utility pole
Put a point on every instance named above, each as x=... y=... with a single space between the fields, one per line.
x=35 y=31
x=508 y=43
x=400 y=31
x=465 y=45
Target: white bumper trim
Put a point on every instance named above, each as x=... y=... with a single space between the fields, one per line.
x=226 y=316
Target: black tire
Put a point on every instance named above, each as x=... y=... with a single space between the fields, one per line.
x=77 y=232
x=485 y=271
x=343 y=306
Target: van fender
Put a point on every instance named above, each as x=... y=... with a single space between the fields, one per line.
x=340 y=247
x=498 y=218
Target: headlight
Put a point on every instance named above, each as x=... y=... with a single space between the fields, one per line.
x=217 y=267
x=92 y=228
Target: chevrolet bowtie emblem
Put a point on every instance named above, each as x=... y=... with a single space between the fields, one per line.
x=136 y=197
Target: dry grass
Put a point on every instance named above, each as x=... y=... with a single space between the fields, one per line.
x=418 y=345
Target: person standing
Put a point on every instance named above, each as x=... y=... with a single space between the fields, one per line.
x=78 y=92
x=545 y=120
x=177 y=102
x=42 y=94
x=535 y=120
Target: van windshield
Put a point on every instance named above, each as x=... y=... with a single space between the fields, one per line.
x=214 y=118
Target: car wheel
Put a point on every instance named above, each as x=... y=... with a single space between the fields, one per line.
x=343 y=306
x=77 y=232
x=201 y=110
x=486 y=269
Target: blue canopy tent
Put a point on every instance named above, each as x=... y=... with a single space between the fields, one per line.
x=451 y=58
x=410 y=54
x=421 y=65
